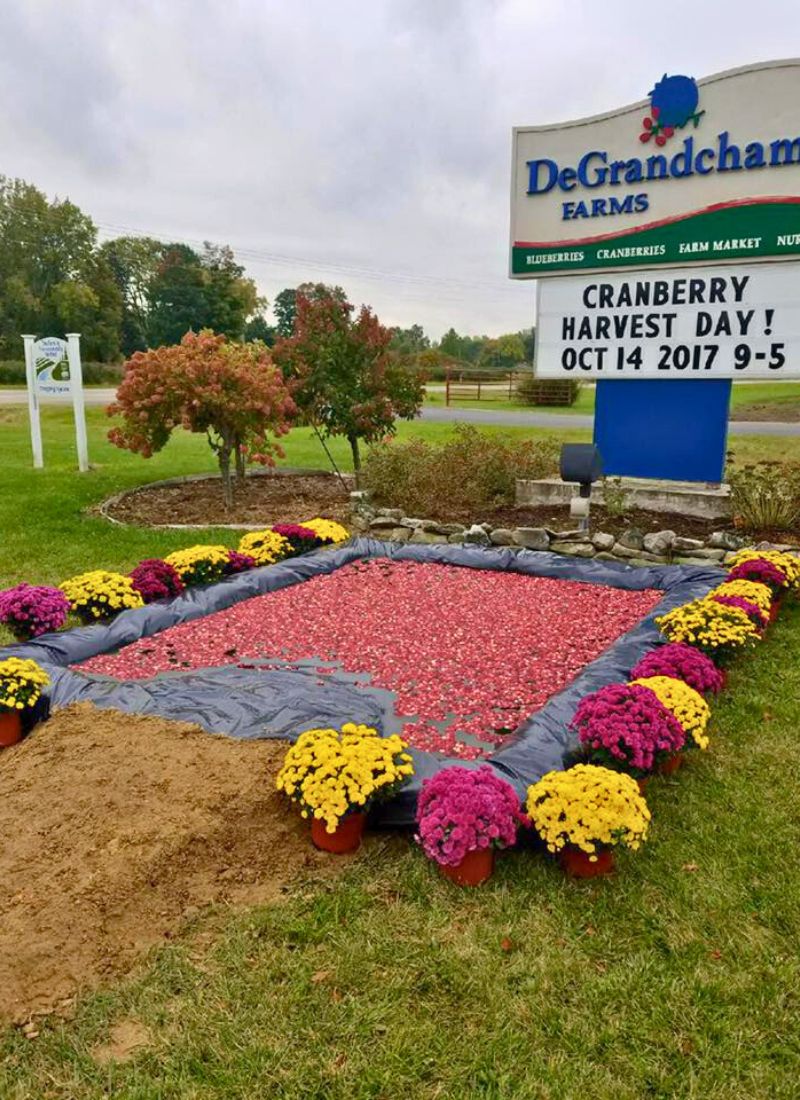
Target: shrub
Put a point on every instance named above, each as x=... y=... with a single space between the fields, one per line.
x=460 y=810
x=765 y=496
x=470 y=472
x=100 y=594
x=155 y=579
x=29 y=610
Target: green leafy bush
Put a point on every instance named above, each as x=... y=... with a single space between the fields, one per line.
x=765 y=496
x=471 y=472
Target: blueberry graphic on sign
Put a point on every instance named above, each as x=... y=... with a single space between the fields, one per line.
x=673 y=105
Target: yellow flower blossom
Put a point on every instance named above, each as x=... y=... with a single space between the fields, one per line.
x=710 y=626
x=687 y=705
x=331 y=773
x=100 y=594
x=753 y=591
x=588 y=807
x=326 y=529
x=21 y=683
x=265 y=546
x=789 y=563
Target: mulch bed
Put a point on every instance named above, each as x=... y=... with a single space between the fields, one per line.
x=264 y=500
x=468 y=653
x=291 y=498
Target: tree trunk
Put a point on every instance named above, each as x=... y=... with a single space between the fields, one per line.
x=241 y=464
x=353 y=441
x=224 y=457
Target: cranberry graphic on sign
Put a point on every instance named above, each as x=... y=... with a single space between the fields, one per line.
x=673 y=105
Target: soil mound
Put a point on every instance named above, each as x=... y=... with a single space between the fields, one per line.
x=115 y=829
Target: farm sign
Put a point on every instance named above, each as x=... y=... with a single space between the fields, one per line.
x=738 y=322
x=703 y=171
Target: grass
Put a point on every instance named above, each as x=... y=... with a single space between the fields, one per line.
x=783 y=397
x=676 y=978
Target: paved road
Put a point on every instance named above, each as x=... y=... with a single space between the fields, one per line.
x=444 y=415
x=526 y=419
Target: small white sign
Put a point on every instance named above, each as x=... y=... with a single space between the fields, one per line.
x=714 y=322
x=52 y=367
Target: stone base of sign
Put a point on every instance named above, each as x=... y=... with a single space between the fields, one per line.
x=631 y=548
x=681 y=497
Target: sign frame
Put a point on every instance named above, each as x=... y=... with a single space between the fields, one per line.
x=75 y=389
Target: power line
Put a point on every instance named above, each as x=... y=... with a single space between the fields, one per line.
x=260 y=256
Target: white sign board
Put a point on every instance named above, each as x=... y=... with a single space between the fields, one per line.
x=52 y=367
x=702 y=171
x=713 y=322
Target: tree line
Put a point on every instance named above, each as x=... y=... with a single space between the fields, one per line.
x=132 y=293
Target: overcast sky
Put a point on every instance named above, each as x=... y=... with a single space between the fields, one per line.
x=364 y=142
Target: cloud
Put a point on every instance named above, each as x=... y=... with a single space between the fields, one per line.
x=361 y=143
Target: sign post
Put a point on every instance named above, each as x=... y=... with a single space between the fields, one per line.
x=33 y=403
x=78 y=409
x=53 y=369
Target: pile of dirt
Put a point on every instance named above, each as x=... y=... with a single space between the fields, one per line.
x=115 y=829
x=263 y=499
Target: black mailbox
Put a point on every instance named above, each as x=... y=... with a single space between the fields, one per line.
x=581 y=462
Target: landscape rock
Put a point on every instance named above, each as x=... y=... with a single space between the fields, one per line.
x=426 y=538
x=566 y=536
x=709 y=554
x=633 y=539
x=725 y=540
x=400 y=534
x=659 y=542
x=437 y=528
x=621 y=551
x=575 y=549
x=390 y=513
x=476 y=536
x=603 y=541
x=681 y=543
x=383 y=523
x=532 y=538
x=689 y=559
x=501 y=536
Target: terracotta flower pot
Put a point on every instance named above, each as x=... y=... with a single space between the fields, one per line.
x=346 y=837
x=670 y=764
x=577 y=864
x=474 y=868
x=10 y=728
x=645 y=779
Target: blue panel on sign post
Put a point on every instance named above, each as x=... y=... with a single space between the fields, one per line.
x=663 y=429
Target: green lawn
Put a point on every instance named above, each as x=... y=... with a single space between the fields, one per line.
x=677 y=978
x=782 y=396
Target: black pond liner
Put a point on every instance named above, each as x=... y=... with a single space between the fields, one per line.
x=267 y=701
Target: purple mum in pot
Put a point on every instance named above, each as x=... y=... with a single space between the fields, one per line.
x=625 y=727
x=155 y=579
x=239 y=563
x=683 y=662
x=29 y=610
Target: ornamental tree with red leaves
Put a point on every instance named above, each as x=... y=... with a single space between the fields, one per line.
x=344 y=376
x=231 y=392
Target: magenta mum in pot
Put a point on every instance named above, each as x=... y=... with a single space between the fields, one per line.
x=463 y=816
x=29 y=610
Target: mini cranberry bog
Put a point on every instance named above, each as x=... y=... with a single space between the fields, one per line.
x=280 y=699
